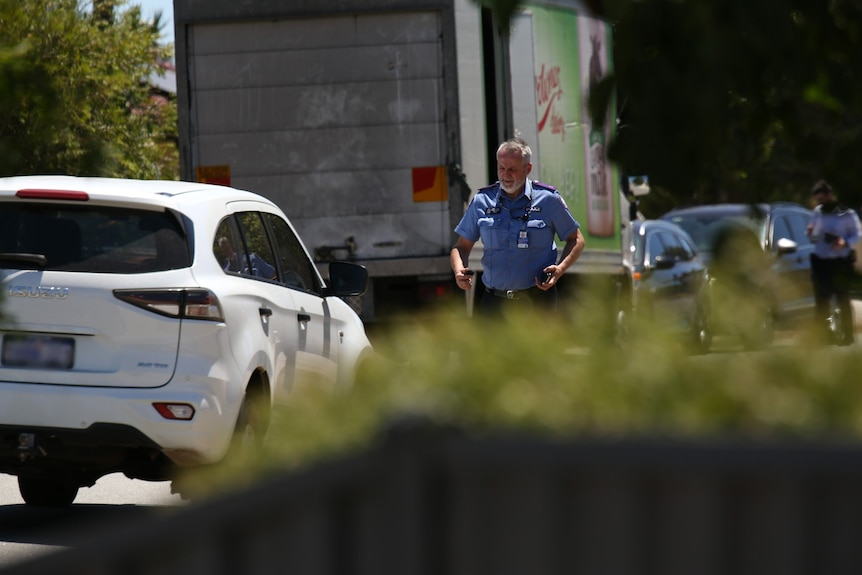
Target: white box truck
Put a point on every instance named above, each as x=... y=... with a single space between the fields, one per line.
x=371 y=122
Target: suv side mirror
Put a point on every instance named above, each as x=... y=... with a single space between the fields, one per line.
x=347 y=279
x=786 y=246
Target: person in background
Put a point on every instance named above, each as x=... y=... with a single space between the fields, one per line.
x=834 y=230
x=237 y=263
x=516 y=219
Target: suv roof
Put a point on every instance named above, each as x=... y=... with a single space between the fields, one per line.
x=108 y=225
x=105 y=189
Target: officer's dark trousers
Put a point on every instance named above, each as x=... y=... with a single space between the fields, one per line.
x=832 y=277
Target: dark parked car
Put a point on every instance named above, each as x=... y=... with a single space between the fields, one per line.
x=773 y=278
x=664 y=286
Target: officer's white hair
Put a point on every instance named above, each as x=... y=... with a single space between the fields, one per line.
x=516 y=146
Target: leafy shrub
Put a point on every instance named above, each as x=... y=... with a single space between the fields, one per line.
x=522 y=374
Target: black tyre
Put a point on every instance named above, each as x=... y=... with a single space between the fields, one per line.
x=251 y=426
x=758 y=332
x=701 y=333
x=246 y=443
x=47 y=491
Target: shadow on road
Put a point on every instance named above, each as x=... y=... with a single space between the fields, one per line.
x=72 y=525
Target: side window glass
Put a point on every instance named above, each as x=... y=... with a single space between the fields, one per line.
x=687 y=251
x=799 y=229
x=227 y=246
x=672 y=247
x=780 y=230
x=654 y=248
x=295 y=266
x=259 y=260
x=639 y=250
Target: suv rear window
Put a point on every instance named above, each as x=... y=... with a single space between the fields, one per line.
x=93 y=239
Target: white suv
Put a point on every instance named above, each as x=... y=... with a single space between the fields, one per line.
x=144 y=325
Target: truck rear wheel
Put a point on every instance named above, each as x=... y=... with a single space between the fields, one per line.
x=47 y=491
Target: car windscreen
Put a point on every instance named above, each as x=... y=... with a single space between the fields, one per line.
x=704 y=229
x=90 y=239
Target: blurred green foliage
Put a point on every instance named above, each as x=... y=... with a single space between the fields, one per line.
x=73 y=92
x=526 y=374
x=738 y=100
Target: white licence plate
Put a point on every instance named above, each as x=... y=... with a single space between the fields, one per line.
x=38 y=351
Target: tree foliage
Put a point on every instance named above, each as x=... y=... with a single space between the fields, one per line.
x=739 y=100
x=733 y=100
x=73 y=91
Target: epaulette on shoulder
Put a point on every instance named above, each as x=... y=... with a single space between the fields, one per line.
x=487 y=189
x=544 y=186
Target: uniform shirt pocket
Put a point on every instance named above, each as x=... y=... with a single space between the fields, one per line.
x=541 y=233
x=493 y=232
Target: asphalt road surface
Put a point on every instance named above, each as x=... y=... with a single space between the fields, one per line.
x=26 y=532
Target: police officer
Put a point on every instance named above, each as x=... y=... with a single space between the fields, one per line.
x=517 y=219
x=834 y=230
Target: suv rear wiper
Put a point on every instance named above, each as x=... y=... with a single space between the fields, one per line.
x=12 y=259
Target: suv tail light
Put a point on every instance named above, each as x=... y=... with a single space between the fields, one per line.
x=179 y=303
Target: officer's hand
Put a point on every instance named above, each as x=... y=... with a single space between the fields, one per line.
x=548 y=279
x=464 y=278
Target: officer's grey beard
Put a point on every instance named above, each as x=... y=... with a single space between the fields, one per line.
x=516 y=188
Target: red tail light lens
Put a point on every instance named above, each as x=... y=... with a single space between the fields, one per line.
x=180 y=411
x=179 y=303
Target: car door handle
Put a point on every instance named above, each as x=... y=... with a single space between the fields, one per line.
x=303 y=317
x=265 y=312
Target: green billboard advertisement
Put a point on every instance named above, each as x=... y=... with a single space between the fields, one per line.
x=556 y=55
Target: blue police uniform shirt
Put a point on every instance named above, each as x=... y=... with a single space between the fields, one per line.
x=517 y=235
x=842 y=222
x=259 y=267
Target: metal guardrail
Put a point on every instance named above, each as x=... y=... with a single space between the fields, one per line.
x=432 y=501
